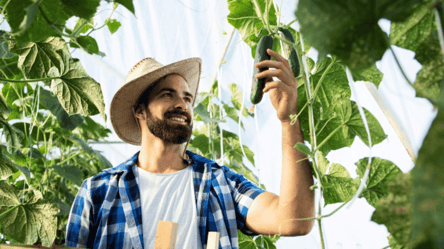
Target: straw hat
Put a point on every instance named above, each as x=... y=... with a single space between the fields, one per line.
x=140 y=77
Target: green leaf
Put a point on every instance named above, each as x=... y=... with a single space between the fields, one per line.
x=245 y=17
x=76 y=91
x=338 y=170
x=356 y=125
x=13 y=135
x=381 y=173
x=215 y=89
x=126 y=3
x=92 y=130
x=87 y=43
x=26 y=222
x=371 y=74
x=395 y=212
x=36 y=58
x=205 y=115
x=84 y=145
x=13 y=91
x=236 y=98
x=430 y=79
x=82 y=26
x=34 y=20
x=71 y=173
x=64 y=209
x=302 y=148
x=200 y=142
x=82 y=8
x=113 y=25
x=5 y=110
x=248 y=242
x=52 y=104
x=350 y=29
x=6 y=166
x=340 y=189
x=428 y=185
x=9 y=68
x=410 y=33
x=24 y=128
x=232 y=113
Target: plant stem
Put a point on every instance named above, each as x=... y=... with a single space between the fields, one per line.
x=399 y=65
x=321 y=80
x=329 y=136
x=320 y=230
x=71 y=156
x=284 y=40
x=29 y=80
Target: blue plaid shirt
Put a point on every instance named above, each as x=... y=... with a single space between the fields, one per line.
x=106 y=212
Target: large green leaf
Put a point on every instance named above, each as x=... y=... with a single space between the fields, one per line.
x=338 y=186
x=6 y=167
x=35 y=20
x=245 y=17
x=26 y=222
x=395 y=212
x=76 y=91
x=430 y=79
x=52 y=104
x=350 y=29
x=248 y=242
x=126 y=3
x=82 y=8
x=36 y=58
x=428 y=185
x=371 y=74
x=71 y=173
x=381 y=173
x=410 y=33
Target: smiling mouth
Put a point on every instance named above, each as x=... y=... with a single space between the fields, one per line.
x=177 y=119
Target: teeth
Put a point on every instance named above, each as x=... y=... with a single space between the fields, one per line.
x=177 y=119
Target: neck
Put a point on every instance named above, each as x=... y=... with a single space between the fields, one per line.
x=157 y=157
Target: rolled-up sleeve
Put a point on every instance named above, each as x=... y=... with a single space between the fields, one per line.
x=79 y=230
x=244 y=192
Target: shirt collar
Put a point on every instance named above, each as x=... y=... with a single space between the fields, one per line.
x=194 y=158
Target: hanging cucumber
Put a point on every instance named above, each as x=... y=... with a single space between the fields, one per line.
x=293 y=55
x=261 y=54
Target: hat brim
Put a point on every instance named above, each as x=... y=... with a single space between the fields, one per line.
x=122 y=118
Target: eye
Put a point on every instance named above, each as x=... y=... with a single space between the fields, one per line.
x=167 y=94
x=188 y=99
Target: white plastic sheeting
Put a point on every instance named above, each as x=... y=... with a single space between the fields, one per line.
x=172 y=30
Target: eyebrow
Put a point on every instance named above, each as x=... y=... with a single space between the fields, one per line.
x=172 y=90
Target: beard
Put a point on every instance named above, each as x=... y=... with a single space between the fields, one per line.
x=168 y=131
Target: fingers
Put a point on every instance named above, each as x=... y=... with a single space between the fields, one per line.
x=276 y=84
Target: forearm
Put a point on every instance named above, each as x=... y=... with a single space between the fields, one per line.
x=296 y=200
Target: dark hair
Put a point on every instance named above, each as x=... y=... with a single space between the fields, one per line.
x=144 y=97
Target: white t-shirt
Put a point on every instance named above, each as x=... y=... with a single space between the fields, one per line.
x=169 y=197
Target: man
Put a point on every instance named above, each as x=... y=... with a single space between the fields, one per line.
x=121 y=207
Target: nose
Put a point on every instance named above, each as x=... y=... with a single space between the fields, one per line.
x=180 y=104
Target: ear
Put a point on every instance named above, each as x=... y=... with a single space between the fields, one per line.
x=138 y=113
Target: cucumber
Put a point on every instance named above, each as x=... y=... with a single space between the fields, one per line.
x=293 y=55
x=261 y=54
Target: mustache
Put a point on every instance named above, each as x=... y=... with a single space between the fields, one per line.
x=178 y=112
